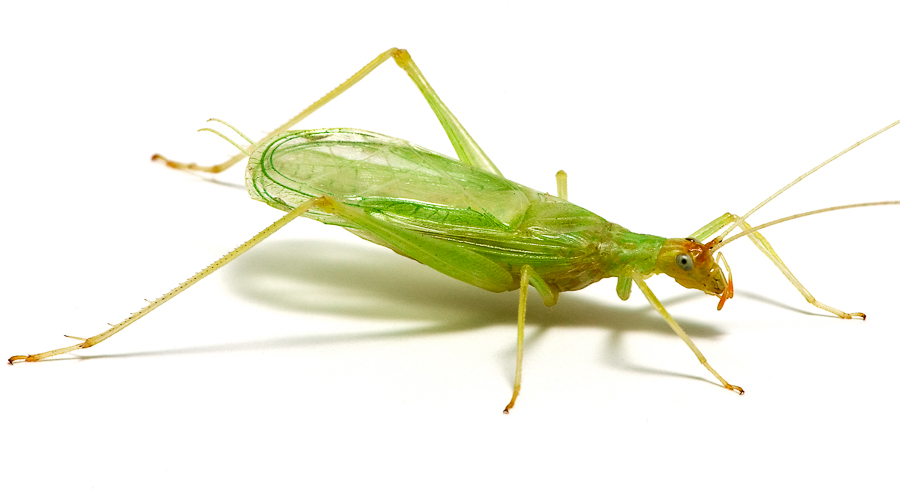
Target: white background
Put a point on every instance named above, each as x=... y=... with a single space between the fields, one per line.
x=320 y=367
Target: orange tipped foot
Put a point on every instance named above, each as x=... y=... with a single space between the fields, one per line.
x=192 y=166
x=839 y=313
x=736 y=389
x=64 y=350
x=851 y=315
x=171 y=163
x=512 y=402
x=28 y=359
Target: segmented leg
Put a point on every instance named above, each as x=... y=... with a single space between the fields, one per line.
x=550 y=296
x=459 y=263
x=94 y=340
x=675 y=327
x=767 y=250
x=443 y=256
x=466 y=148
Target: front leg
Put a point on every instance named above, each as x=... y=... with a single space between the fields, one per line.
x=550 y=295
x=766 y=248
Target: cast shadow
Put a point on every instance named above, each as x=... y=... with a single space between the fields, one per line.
x=367 y=282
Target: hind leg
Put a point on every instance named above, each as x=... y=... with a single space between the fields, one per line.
x=466 y=148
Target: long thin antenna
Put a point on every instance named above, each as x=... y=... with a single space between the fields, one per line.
x=801 y=215
x=789 y=185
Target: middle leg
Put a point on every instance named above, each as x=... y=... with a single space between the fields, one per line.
x=550 y=296
x=680 y=332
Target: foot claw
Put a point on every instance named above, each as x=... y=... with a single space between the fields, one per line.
x=159 y=158
x=171 y=163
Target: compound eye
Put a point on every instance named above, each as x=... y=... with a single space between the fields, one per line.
x=685 y=262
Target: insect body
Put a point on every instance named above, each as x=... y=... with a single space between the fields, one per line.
x=390 y=188
x=463 y=218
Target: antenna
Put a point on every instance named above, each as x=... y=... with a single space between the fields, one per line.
x=801 y=215
x=789 y=185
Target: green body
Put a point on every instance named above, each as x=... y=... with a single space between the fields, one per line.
x=410 y=188
x=463 y=218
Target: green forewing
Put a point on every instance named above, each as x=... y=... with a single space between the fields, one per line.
x=382 y=173
x=420 y=190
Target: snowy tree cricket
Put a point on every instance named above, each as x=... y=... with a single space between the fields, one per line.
x=463 y=218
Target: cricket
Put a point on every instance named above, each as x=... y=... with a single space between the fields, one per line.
x=463 y=218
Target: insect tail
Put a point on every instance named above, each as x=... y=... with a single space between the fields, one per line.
x=252 y=144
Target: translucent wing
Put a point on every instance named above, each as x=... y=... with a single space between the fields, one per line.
x=421 y=190
x=382 y=174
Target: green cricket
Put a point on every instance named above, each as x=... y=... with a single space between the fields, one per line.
x=464 y=219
